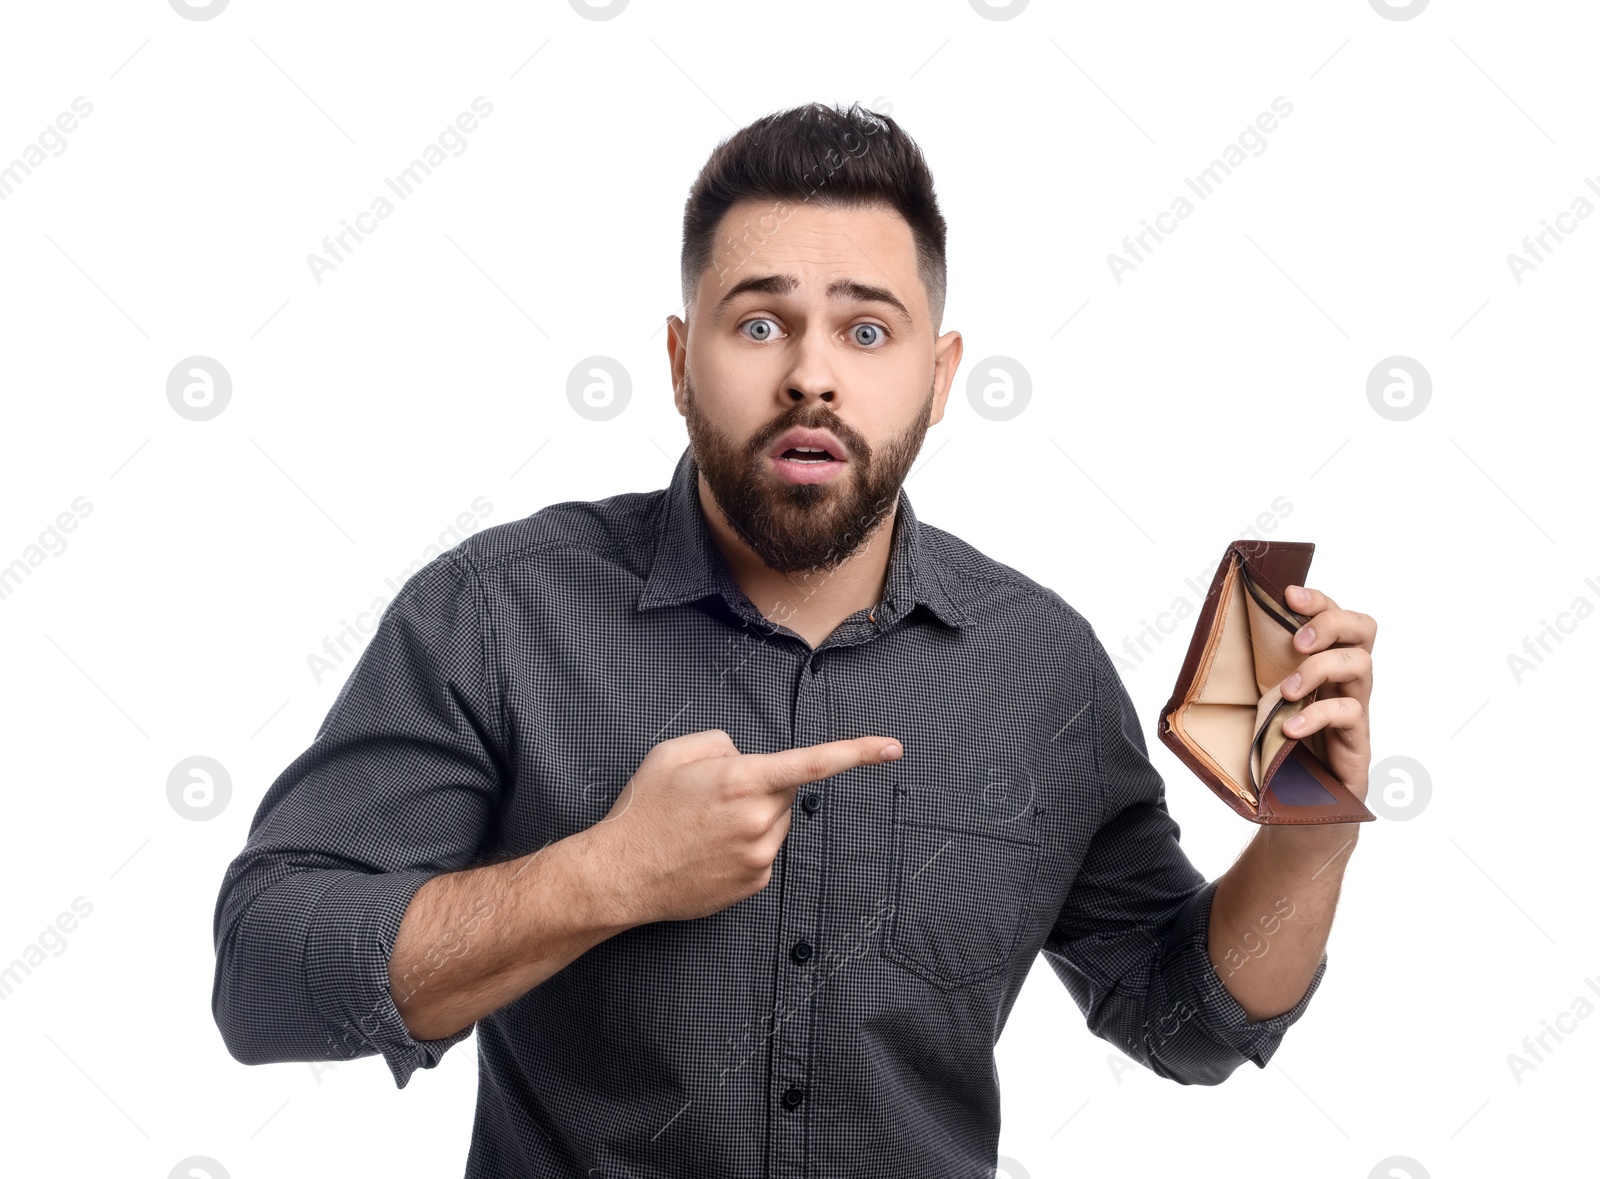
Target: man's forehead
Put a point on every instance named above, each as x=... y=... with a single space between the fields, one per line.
x=816 y=247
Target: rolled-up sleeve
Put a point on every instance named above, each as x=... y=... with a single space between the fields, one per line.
x=401 y=783
x=1130 y=942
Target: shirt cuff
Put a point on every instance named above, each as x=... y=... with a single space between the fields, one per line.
x=1194 y=978
x=351 y=935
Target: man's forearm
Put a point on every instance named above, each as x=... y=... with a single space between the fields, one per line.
x=1272 y=911
x=473 y=941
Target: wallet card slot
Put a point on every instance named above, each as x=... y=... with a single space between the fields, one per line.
x=1269 y=604
x=1272 y=643
x=1272 y=650
x=1271 y=715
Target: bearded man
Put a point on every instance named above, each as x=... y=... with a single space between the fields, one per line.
x=733 y=815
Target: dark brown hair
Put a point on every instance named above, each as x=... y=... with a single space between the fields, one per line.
x=830 y=156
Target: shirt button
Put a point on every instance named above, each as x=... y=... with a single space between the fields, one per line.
x=801 y=952
x=794 y=1096
x=812 y=802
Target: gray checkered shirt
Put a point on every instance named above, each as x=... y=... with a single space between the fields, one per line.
x=842 y=1020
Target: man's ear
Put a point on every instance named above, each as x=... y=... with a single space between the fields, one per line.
x=677 y=355
x=946 y=359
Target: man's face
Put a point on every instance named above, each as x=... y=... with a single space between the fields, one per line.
x=808 y=374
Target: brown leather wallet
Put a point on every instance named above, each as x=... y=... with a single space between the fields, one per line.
x=1225 y=718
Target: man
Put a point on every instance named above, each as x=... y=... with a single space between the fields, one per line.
x=733 y=815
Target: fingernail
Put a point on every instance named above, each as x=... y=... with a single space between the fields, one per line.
x=890 y=751
x=1294 y=724
x=1305 y=636
x=1292 y=684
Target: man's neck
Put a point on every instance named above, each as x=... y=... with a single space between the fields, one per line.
x=810 y=604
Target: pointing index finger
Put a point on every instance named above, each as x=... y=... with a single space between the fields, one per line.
x=811 y=763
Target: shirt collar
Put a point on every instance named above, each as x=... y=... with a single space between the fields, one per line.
x=688 y=566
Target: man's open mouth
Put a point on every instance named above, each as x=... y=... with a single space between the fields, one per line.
x=814 y=457
x=807 y=454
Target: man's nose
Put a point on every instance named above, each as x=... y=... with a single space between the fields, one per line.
x=811 y=375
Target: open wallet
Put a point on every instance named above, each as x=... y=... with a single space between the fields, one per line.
x=1226 y=715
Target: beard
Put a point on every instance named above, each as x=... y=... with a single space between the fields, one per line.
x=803 y=527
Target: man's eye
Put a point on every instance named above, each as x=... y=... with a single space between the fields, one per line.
x=765 y=329
x=862 y=334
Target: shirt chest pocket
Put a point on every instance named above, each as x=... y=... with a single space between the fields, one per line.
x=963 y=888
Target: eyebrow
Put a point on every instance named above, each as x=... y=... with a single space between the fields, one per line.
x=842 y=288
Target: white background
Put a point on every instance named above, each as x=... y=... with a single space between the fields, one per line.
x=1228 y=369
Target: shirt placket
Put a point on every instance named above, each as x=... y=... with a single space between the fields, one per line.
x=799 y=938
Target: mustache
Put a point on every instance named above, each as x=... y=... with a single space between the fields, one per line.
x=824 y=419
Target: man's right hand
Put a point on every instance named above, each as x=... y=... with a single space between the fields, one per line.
x=699 y=824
